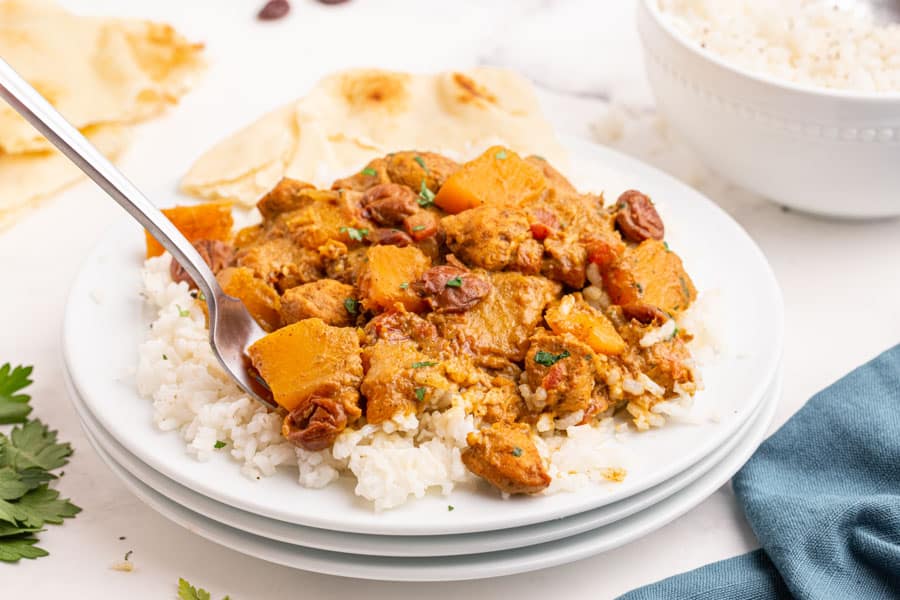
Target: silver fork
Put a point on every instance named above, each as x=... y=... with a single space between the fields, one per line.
x=231 y=328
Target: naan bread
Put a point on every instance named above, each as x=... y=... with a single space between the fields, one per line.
x=353 y=116
x=101 y=74
x=93 y=70
x=26 y=179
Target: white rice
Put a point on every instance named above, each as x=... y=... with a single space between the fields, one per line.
x=833 y=44
x=404 y=458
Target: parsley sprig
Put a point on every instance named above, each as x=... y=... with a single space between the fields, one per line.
x=426 y=196
x=548 y=359
x=188 y=592
x=27 y=456
x=14 y=406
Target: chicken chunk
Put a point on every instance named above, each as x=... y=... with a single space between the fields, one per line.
x=505 y=455
x=372 y=174
x=555 y=179
x=400 y=326
x=501 y=402
x=281 y=263
x=332 y=301
x=667 y=362
x=488 y=236
x=500 y=324
x=563 y=368
x=286 y=196
x=330 y=216
x=412 y=168
x=393 y=381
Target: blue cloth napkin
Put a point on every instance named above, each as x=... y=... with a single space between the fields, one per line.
x=823 y=497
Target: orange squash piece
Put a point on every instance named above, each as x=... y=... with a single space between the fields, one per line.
x=652 y=274
x=575 y=316
x=307 y=358
x=388 y=275
x=210 y=221
x=260 y=299
x=499 y=176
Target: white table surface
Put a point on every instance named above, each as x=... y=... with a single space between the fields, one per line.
x=840 y=279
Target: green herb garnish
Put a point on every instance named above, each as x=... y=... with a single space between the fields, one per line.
x=421 y=162
x=14 y=406
x=454 y=282
x=369 y=171
x=165 y=357
x=219 y=445
x=351 y=305
x=500 y=155
x=27 y=456
x=188 y=592
x=182 y=312
x=424 y=363
x=517 y=452
x=404 y=285
x=420 y=393
x=450 y=508
x=548 y=359
x=426 y=196
x=666 y=244
x=355 y=234
x=684 y=288
x=639 y=287
x=418 y=228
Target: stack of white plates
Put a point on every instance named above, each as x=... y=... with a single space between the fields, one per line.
x=331 y=531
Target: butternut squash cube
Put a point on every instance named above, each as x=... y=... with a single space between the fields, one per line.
x=388 y=275
x=652 y=274
x=499 y=176
x=308 y=358
x=210 y=221
x=575 y=316
x=260 y=298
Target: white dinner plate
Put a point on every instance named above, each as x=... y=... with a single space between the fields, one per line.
x=106 y=320
x=471 y=566
x=407 y=546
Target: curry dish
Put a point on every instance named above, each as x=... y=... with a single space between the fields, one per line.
x=418 y=278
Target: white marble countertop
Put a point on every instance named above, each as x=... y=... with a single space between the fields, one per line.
x=840 y=279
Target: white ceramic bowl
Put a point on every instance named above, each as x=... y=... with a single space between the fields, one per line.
x=824 y=151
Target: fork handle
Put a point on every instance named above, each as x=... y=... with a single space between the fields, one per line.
x=47 y=120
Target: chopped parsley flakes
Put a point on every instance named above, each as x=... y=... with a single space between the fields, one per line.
x=454 y=282
x=182 y=312
x=426 y=196
x=355 y=234
x=548 y=359
x=219 y=445
x=501 y=155
x=369 y=171
x=420 y=393
x=421 y=162
x=517 y=452
x=418 y=228
x=450 y=508
x=424 y=363
x=404 y=285
x=351 y=305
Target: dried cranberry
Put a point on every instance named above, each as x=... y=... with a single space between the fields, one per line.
x=274 y=9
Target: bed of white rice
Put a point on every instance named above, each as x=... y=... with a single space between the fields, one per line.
x=391 y=463
x=834 y=44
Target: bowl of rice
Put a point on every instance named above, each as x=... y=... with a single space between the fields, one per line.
x=798 y=100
